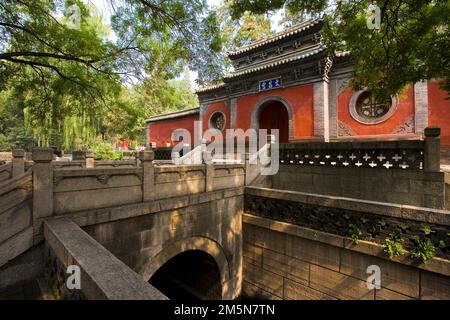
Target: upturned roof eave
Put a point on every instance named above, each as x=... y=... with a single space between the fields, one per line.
x=303 y=27
x=274 y=63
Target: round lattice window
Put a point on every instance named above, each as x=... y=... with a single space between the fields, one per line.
x=365 y=109
x=217 y=121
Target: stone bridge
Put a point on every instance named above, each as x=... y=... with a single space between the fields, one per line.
x=146 y=230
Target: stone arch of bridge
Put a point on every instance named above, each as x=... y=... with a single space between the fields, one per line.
x=173 y=249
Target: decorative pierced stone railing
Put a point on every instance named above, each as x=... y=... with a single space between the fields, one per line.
x=387 y=155
x=163 y=153
x=402 y=154
x=115 y=163
x=340 y=216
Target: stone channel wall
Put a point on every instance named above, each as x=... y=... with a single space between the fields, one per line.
x=413 y=187
x=284 y=260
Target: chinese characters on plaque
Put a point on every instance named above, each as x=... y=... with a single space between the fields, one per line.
x=269 y=84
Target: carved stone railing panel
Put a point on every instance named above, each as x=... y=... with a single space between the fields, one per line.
x=5 y=172
x=16 y=231
x=69 y=164
x=385 y=155
x=83 y=189
x=115 y=164
x=340 y=221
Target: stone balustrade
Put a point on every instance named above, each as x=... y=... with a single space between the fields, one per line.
x=62 y=190
x=16 y=223
x=134 y=208
x=405 y=171
x=5 y=171
x=404 y=154
x=102 y=275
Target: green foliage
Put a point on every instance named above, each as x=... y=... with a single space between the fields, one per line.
x=67 y=85
x=291 y=18
x=20 y=138
x=241 y=31
x=412 y=44
x=403 y=227
x=105 y=151
x=5 y=144
x=423 y=249
x=426 y=229
x=355 y=233
x=170 y=34
x=382 y=223
x=393 y=245
x=157 y=96
x=263 y=6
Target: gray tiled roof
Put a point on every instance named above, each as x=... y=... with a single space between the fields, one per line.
x=278 y=36
x=298 y=55
x=173 y=115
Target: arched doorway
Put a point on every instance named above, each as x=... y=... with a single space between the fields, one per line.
x=192 y=275
x=274 y=115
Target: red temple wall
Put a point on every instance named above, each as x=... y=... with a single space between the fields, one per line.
x=404 y=114
x=161 y=131
x=300 y=99
x=217 y=106
x=439 y=110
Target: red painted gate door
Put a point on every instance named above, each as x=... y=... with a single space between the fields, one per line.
x=275 y=116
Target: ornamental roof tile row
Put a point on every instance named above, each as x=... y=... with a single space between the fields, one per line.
x=278 y=36
x=299 y=55
x=279 y=61
x=296 y=55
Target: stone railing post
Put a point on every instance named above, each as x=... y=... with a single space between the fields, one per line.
x=202 y=151
x=175 y=156
x=90 y=162
x=270 y=141
x=148 y=186
x=432 y=152
x=247 y=168
x=42 y=183
x=18 y=163
x=209 y=177
x=209 y=173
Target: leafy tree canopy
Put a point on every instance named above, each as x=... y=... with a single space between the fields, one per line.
x=62 y=73
x=412 y=43
x=238 y=32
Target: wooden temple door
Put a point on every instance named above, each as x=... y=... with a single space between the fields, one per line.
x=275 y=116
